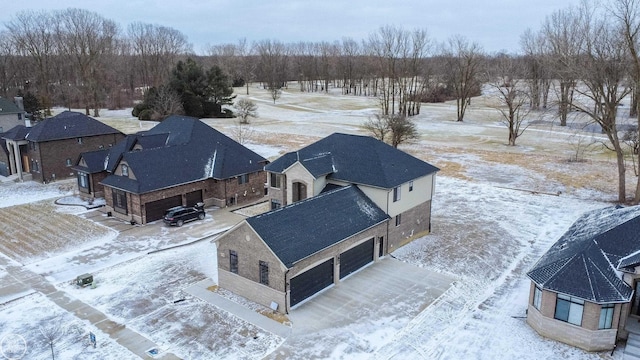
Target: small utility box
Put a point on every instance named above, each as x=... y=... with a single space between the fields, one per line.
x=84 y=280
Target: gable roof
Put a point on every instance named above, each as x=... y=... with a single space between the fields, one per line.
x=586 y=261
x=179 y=150
x=8 y=107
x=301 y=229
x=68 y=125
x=95 y=161
x=356 y=159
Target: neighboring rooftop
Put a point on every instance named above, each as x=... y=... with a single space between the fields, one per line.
x=8 y=107
x=301 y=229
x=68 y=125
x=586 y=262
x=179 y=150
x=356 y=159
x=95 y=161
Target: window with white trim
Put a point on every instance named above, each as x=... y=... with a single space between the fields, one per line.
x=569 y=309
x=537 y=297
x=68 y=162
x=125 y=170
x=396 y=194
x=398 y=219
x=606 y=316
x=411 y=185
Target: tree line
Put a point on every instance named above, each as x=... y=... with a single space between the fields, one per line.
x=581 y=61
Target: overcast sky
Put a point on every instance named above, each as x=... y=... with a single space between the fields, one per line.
x=496 y=25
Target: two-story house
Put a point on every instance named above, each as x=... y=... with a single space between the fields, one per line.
x=337 y=205
x=48 y=150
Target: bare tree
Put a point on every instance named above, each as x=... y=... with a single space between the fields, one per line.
x=51 y=333
x=627 y=14
x=8 y=68
x=535 y=49
x=505 y=78
x=603 y=69
x=562 y=31
x=398 y=128
x=245 y=109
x=377 y=126
x=272 y=66
x=33 y=35
x=464 y=62
x=156 y=49
x=242 y=132
x=247 y=63
x=86 y=40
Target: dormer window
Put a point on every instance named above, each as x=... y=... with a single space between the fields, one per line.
x=125 y=170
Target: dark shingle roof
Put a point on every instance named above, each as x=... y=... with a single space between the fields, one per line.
x=301 y=229
x=16 y=133
x=68 y=125
x=585 y=261
x=356 y=159
x=8 y=107
x=180 y=150
x=95 y=161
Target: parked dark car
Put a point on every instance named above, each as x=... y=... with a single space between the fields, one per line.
x=181 y=214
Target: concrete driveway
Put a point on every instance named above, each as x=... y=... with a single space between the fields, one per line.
x=387 y=289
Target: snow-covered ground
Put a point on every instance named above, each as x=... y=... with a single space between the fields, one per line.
x=495 y=212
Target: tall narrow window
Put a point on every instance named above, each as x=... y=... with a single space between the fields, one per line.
x=396 y=194
x=125 y=170
x=79 y=140
x=68 y=162
x=569 y=309
x=233 y=261
x=264 y=273
x=411 y=185
x=537 y=297
x=606 y=316
x=398 y=219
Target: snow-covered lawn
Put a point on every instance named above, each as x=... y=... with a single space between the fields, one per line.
x=495 y=212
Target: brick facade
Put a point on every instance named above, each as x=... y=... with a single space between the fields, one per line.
x=214 y=193
x=415 y=223
x=51 y=156
x=251 y=250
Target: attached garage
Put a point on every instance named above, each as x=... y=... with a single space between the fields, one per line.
x=356 y=257
x=194 y=197
x=154 y=210
x=311 y=281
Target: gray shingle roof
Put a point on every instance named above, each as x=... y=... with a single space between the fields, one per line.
x=16 y=133
x=585 y=261
x=301 y=229
x=95 y=161
x=356 y=159
x=68 y=125
x=8 y=107
x=179 y=150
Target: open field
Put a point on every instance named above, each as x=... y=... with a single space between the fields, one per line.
x=496 y=210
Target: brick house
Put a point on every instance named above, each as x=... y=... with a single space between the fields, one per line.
x=263 y=259
x=339 y=178
x=584 y=290
x=180 y=161
x=48 y=150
